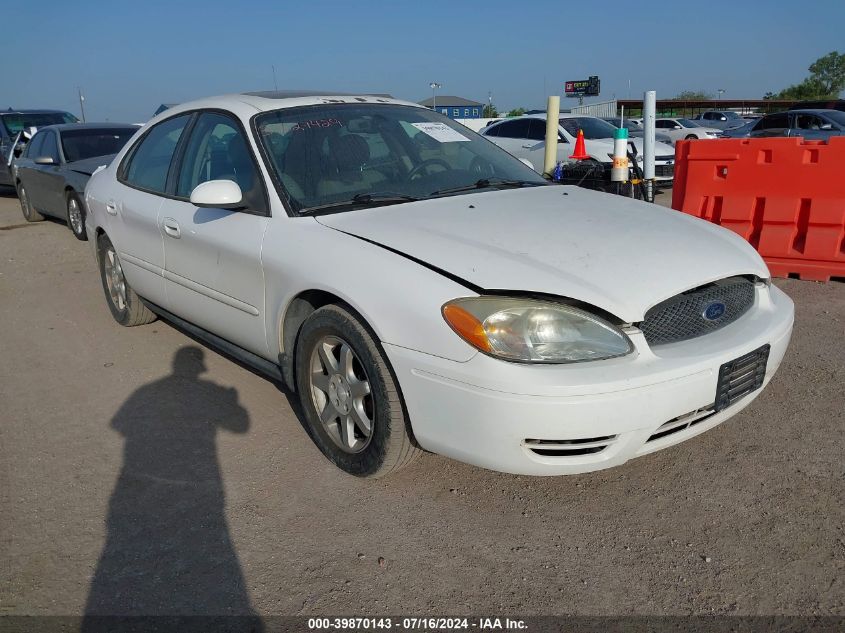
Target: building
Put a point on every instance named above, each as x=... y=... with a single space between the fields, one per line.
x=456 y=107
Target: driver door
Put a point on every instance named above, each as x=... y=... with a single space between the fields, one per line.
x=212 y=256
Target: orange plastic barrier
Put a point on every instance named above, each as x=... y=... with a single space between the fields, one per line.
x=786 y=196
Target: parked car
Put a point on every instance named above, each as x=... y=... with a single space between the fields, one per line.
x=635 y=130
x=809 y=124
x=720 y=119
x=17 y=127
x=679 y=129
x=347 y=246
x=743 y=131
x=51 y=173
x=525 y=137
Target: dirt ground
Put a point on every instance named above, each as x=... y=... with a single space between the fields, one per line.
x=143 y=473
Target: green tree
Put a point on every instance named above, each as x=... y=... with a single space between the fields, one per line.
x=826 y=80
x=516 y=112
x=489 y=111
x=693 y=95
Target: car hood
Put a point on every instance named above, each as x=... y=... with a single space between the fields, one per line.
x=601 y=149
x=620 y=255
x=88 y=166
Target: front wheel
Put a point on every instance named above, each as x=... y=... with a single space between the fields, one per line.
x=691 y=137
x=349 y=396
x=126 y=306
x=76 y=217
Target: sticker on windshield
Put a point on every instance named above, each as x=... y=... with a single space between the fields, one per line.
x=440 y=132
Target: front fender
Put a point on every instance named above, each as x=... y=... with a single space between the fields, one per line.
x=399 y=298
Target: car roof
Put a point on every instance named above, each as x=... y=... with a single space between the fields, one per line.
x=821 y=111
x=33 y=111
x=61 y=127
x=247 y=104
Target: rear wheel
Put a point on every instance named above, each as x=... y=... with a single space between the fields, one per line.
x=349 y=396
x=76 y=216
x=126 y=306
x=691 y=137
x=29 y=212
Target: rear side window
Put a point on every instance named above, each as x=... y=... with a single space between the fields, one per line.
x=773 y=122
x=149 y=162
x=514 y=129
x=537 y=130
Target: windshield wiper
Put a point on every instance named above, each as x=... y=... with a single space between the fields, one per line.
x=361 y=200
x=487 y=182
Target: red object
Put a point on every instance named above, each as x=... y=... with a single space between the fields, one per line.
x=785 y=196
x=580 y=152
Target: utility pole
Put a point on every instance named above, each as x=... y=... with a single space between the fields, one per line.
x=434 y=86
x=721 y=91
x=275 y=85
x=81 y=102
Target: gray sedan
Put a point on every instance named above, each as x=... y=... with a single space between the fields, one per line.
x=51 y=173
x=810 y=124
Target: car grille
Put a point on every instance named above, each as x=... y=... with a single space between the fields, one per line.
x=664 y=171
x=683 y=316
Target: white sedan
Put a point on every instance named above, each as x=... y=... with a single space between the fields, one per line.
x=420 y=288
x=685 y=129
x=525 y=138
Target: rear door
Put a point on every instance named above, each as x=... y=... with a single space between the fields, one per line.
x=213 y=271
x=133 y=212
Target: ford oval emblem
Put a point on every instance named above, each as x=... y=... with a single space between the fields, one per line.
x=714 y=311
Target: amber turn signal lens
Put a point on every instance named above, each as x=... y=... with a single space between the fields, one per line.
x=467 y=326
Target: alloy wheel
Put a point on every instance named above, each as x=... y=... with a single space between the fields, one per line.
x=115 y=280
x=74 y=216
x=340 y=392
x=24 y=202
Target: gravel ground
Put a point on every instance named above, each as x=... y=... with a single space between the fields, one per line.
x=201 y=476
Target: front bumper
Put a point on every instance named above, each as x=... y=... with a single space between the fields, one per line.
x=523 y=419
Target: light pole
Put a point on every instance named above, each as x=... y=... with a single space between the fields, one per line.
x=81 y=102
x=434 y=86
x=721 y=91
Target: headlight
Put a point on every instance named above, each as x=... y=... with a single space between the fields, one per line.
x=534 y=331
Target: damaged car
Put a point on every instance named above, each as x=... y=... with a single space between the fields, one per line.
x=423 y=290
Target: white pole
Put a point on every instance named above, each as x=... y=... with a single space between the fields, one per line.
x=649 y=116
x=552 y=116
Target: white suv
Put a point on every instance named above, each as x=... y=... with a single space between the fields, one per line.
x=421 y=288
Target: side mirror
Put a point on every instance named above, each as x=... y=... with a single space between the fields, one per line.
x=677 y=127
x=218 y=194
x=45 y=160
x=827 y=127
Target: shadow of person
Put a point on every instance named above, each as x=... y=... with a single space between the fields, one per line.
x=168 y=550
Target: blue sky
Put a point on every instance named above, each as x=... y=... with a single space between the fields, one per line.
x=131 y=56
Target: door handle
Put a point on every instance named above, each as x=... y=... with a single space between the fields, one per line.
x=171 y=227
x=111 y=207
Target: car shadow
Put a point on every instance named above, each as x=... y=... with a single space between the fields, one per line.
x=168 y=551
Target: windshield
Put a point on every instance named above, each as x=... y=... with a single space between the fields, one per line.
x=689 y=123
x=14 y=122
x=593 y=128
x=87 y=143
x=333 y=153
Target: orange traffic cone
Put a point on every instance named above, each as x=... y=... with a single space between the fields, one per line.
x=580 y=152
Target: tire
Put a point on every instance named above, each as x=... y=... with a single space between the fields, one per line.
x=29 y=212
x=126 y=306
x=388 y=444
x=76 y=216
x=691 y=137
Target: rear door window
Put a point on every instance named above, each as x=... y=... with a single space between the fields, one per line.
x=34 y=146
x=149 y=161
x=514 y=129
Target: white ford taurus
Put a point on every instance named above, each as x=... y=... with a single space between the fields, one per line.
x=421 y=288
